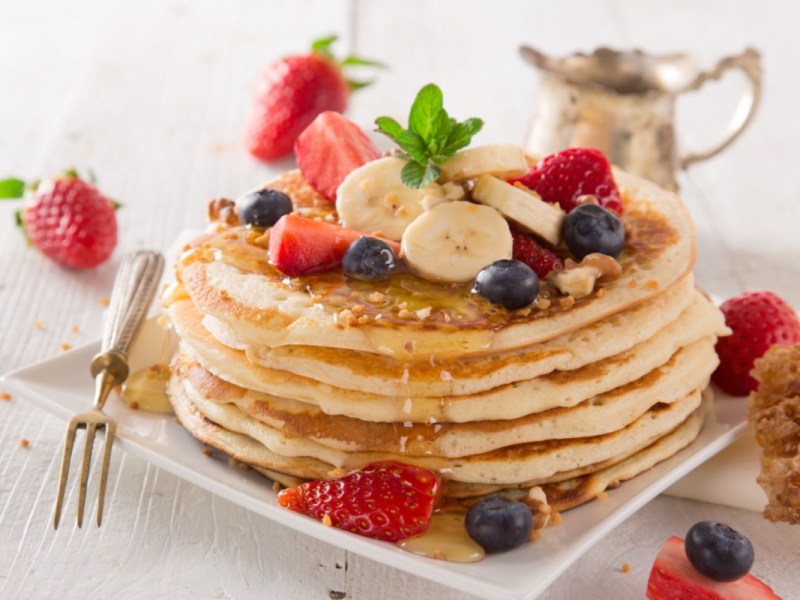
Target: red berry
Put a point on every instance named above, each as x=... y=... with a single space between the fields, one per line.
x=564 y=176
x=329 y=149
x=385 y=500
x=673 y=576
x=759 y=320
x=70 y=221
x=540 y=259
x=298 y=245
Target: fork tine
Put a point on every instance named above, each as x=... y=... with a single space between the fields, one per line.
x=62 y=478
x=111 y=429
x=91 y=429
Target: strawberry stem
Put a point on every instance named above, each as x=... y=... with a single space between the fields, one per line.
x=322 y=47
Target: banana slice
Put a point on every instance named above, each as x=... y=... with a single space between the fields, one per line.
x=532 y=213
x=373 y=199
x=454 y=240
x=501 y=160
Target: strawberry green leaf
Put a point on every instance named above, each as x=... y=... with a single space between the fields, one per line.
x=357 y=61
x=416 y=175
x=323 y=45
x=354 y=85
x=12 y=188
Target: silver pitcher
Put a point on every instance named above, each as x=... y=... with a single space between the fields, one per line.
x=623 y=103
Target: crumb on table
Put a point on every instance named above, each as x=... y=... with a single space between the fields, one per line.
x=37 y=324
x=626 y=568
x=5 y=396
x=65 y=346
x=23 y=443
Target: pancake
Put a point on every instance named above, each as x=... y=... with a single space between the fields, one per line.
x=512 y=464
x=374 y=373
x=227 y=276
x=557 y=389
x=687 y=370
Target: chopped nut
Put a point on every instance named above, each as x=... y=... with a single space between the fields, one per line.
x=626 y=568
x=542 y=303
x=438 y=555
x=347 y=317
x=327 y=521
x=355 y=295
x=24 y=443
x=5 y=396
x=601 y=292
x=566 y=301
x=37 y=324
x=358 y=309
x=223 y=210
x=555 y=518
x=446 y=376
x=262 y=241
x=524 y=312
x=337 y=473
x=65 y=346
x=134 y=405
x=208 y=452
x=536 y=500
x=586 y=199
x=276 y=487
x=578 y=279
x=403 y=314
x=423 y=313
x=602 y=496
x=363 y=320
x=409 y=346
x=376 y=297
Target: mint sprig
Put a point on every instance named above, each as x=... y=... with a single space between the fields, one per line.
x=432 y=137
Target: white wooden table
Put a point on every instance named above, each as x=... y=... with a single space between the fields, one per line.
x=153 y=97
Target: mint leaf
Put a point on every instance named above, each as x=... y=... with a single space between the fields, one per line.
x=427 y=105
x=461 y=135
x=432 y=137
x=12 y=188
x=416 y=175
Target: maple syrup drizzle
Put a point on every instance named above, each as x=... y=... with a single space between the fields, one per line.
x=445 y=539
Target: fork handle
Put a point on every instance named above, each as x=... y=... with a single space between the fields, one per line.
x=134 y=287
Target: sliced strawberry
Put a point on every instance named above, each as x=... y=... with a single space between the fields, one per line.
x=563 y=177
x=673 y=576
x=758 y=320
x=298 y=245
x=385 y=500
x=329 y=149
x=542 y=260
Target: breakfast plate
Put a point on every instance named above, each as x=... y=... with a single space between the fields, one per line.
x=62 y=386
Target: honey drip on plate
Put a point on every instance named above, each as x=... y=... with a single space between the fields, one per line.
x=445 y=539
x=147 y=390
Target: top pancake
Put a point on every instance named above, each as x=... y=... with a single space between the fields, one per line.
x=227 y=276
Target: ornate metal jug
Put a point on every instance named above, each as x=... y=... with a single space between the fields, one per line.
x=623 y=103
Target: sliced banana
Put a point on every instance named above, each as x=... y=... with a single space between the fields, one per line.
x=373 y=199
x=452 y=241
x=528 y=210
x=501 y=160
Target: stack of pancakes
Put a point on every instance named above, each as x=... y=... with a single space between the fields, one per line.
x=305 y=377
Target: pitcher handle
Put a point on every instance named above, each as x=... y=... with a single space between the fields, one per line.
x=749 y=62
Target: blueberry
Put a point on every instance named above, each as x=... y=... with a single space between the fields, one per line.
x=719 y=552
x=263 y=208
x=369 y=258
x=591 y=228
x=498 y=524
x=509 y=283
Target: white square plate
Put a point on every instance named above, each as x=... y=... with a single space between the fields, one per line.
x=62 y=386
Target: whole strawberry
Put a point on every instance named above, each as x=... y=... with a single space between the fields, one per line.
x=292 y=92
x=70 y=221
x=387 y=500
x=758 y=321
x=542 y=260
x=565 y=176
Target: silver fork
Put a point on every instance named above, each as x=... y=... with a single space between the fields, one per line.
x=134 y=287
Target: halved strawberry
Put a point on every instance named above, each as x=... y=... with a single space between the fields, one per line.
x=563 y=177
x=329 y=149
x=673 y=576
x=298 y=245
x=386 y=500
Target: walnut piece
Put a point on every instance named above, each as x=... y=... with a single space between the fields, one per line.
x=223 y=210
x=578 y=279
